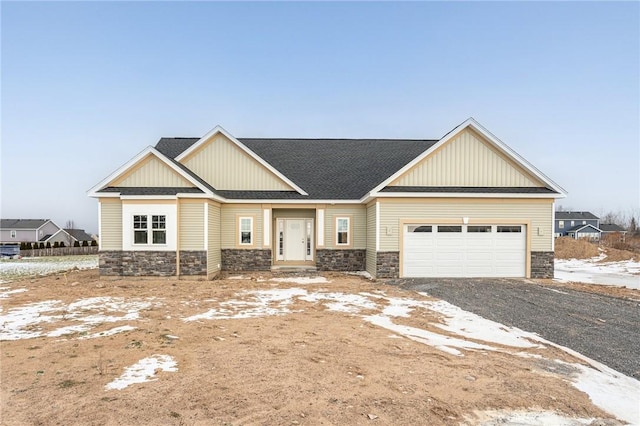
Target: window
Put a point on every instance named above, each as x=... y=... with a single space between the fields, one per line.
x=13 y=234
x=141 y=229
x=342 y=231
x=573 y=223
x=246 y=231
x=447 y=228
x=584 y=222
x=308 y=238
x=483 y=228
x=509 y=229
x=561 y=224
x=421 y=228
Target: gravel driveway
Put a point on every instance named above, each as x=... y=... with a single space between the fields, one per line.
x=604 y=328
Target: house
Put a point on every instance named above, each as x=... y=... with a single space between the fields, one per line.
x=27 y=230
x=69 y=236
x=462 y=205
x=610 y=229
x=573 y=223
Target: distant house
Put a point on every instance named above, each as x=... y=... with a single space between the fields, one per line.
x=27 y=230
x=611 y=229
x=574 y=224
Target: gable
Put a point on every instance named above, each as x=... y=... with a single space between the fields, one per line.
x=224 y=166
x=150 y=171
x=467 y=160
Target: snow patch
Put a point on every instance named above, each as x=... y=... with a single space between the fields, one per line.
x=527 y=418
x=590 y=271
x=109 y=332
x=301 y=280
x=30 y=266
x=5 y=292
x=144 y=371
x=341 y=302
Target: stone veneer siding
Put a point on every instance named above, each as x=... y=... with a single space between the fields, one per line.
x=137 y=263
x=193 y=262
x=387 y=264
x=246 y=260
x=542 y=264
x=340 y=260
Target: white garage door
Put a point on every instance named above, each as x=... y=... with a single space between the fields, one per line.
x=432 y=250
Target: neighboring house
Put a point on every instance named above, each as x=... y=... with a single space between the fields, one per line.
x=611 y=229
x=587 y=231
x=27 y=230
x=70 y=236
x=464 y=205
x=566 y=222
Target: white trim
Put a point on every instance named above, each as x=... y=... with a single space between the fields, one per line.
x=460 y=195
x=320 y=227
x=266 y=227
x=206 y=226
x=148 y=197
x=472 y=123
x=219 y=129
x=553 y=226
x=252 y=231
x=377 y=225
x=337 y=231
x=99 y=225
x=93 y=192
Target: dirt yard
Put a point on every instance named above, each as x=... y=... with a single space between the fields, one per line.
x=336 y=349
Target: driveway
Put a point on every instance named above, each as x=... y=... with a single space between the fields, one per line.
x=604 y=328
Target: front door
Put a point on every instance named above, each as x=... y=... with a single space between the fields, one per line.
x=294 y=239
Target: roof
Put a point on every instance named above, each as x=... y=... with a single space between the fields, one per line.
x=564 y=215
x=580 y=227
x=149 y=190
x=611 y=227
x=22 y=223
x=324 y=168
x=79 y=234
x=471 y=189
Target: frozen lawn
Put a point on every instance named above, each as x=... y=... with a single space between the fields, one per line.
x=11 y=269
x=328 y=349
x=596 y=271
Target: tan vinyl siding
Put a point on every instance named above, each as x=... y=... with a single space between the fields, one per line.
x=214 y=259
x=358 y=216
x=111 y=223
x=538 y=212
x=191 y=216
x=229 y=231
x=294 y=213
x=370 y=265
x=225 y=166
x=150 y=171
x=467 y=160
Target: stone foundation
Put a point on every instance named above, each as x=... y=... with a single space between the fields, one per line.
x=542 y=264
x=246 y=260
x=193 y=262
x=387 y=264
x=340 y=260
x=137 y=263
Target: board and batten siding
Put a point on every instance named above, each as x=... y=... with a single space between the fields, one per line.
x=467 y=160
x=229 y=226
x=151 y=172
x=225 y=166
x=191 y=224
x=358 y=215
x=538 y=212
x=370 y=264
x=110 y=223
x=214 y=259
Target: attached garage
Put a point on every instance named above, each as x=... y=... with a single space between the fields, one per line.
x=478 y=250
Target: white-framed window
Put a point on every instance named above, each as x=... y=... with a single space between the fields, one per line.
x=142 y=228
x=343 y=231
x=13 y=234
x=561 y=224
x=245 y=231
x=584 y=222
x=573 y=223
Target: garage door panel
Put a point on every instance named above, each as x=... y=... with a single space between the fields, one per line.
x=465 y=254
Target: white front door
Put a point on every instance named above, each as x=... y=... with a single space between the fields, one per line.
x=294 y=240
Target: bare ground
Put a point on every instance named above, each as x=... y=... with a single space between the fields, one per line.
x=310 y=366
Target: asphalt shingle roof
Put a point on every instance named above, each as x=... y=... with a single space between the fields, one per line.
x=611 y=227
x=578 y=227
x=564 y=215
x=79 y=234
x=22 y=223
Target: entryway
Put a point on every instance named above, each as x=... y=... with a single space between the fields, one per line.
x=294 y=240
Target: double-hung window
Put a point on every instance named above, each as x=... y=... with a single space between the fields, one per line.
x=343 y=231
x=245 y=235
x=142 y=228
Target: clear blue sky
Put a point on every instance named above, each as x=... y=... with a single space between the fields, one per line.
x=86 y=86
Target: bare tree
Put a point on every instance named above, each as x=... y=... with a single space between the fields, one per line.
x=70 y=224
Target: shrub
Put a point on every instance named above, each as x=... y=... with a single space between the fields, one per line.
x=23 y=246
x=62 y=244
x=56 y=244
x=85 y=244
x=41 y=245
x=76 y=243
x=48 y=244
x=94 y=243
